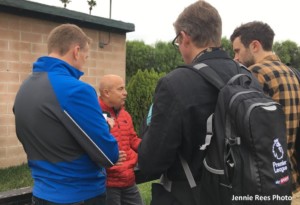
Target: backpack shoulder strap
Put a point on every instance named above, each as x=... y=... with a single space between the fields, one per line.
x=207 y=73
x=296 y=72
x=190 y=179
x=213 y=77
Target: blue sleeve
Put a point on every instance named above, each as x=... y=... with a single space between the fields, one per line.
x=79 y=102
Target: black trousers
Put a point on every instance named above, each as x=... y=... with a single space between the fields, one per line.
x=98 y=200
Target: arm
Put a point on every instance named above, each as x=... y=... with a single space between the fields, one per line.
x=134 y=139
x=89 y=127
x=160 y=142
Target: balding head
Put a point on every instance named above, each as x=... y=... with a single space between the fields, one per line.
x=108 y=81
x=112 y=91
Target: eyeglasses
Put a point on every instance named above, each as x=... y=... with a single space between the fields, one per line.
x=174 y=42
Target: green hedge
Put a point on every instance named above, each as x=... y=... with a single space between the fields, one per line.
x=140 y=91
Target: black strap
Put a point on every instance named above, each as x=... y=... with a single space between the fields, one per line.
x=297 y=141
x=209 y=74
x=296 y=72
x=190 y=179
x=214 y=78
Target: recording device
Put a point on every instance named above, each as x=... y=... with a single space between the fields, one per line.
x=106 y=115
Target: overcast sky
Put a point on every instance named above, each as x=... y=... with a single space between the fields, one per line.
x=153 y=19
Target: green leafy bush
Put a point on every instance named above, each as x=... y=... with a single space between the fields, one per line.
x=140 y=91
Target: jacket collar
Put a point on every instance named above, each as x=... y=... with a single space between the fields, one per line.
x=213 y=54
x=272 y=57
x=109 y=109
x=50 y=64
x=104 y=106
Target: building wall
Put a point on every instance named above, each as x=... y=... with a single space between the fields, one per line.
x=22 y=41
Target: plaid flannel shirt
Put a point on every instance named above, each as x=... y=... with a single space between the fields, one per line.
x=279 y=82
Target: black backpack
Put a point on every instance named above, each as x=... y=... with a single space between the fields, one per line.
x=246 y=152
x=297 y=142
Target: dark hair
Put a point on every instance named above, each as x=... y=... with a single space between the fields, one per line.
x=64 y=36
x=255 y=30
x=202 y=22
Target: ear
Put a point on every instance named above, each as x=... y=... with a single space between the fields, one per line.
x=76 y=51
x=185 y=38
x=106 y=93
x=255 y=46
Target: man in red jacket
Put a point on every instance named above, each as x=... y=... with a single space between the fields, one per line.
x=121 y=187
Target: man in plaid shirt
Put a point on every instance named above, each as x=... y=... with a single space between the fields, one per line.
x=252 y=44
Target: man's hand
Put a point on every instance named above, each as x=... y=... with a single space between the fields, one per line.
x=111 y=122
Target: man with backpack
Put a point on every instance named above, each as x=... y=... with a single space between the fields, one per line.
x=252 y=44
x=184 y=101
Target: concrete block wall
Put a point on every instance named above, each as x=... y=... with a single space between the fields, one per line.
x=22 y=41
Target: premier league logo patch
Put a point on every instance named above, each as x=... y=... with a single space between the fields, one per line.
x=277 y=149
x=279 y=165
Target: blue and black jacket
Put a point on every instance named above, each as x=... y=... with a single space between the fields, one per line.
x=62 y=129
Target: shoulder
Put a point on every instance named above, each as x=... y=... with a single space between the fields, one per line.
x=171 y=83
x=259 y=68
x=178 y=71
x=268 y=68
x=81 y=93
x=181 y=73
x=82 y=88
x=124 y=113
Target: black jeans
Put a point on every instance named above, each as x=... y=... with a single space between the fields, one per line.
x=98 y=200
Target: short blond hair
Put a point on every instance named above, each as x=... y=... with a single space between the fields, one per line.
x=62 y=37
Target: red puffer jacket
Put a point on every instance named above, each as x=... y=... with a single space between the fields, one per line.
x=128 y=141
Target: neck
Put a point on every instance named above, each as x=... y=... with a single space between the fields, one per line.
x=261 y=56
x=201 y=51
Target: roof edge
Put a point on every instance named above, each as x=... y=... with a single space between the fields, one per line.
x=63 y=15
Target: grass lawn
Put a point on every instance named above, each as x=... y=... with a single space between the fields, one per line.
x=19 y=176
x=15 y=177
x=145 y=190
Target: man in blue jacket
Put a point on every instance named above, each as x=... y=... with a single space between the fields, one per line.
x=61 y=126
